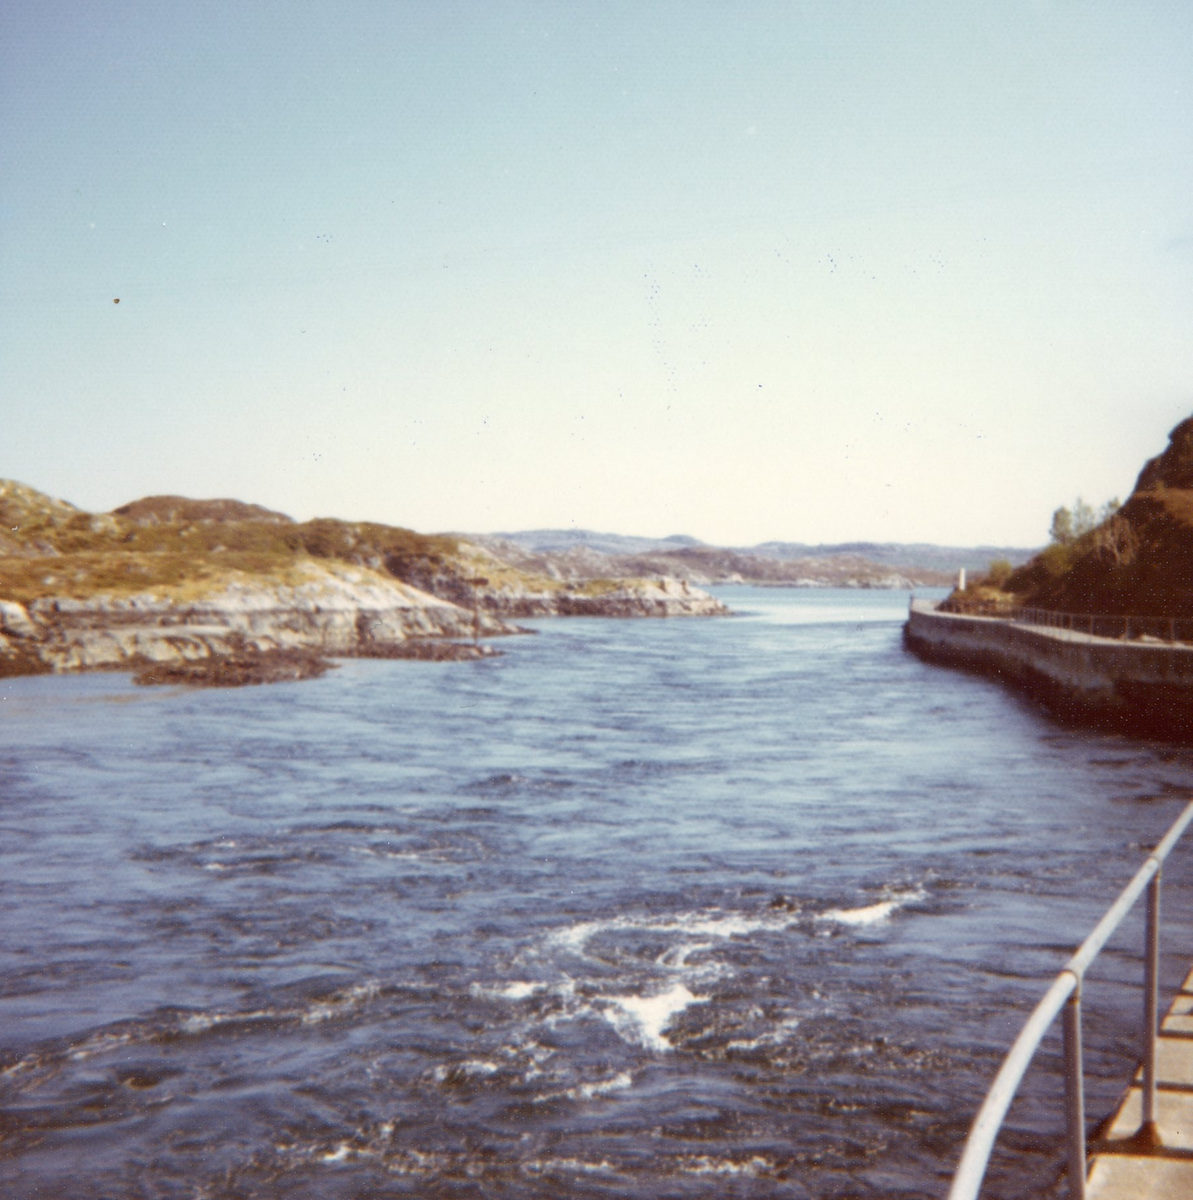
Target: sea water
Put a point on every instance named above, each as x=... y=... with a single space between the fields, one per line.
x=746 y=907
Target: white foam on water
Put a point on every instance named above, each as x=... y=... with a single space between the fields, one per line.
x=202 y=1022
x=101 y=1043
x=533 y=1057
x=588 y=1091
x=706 y=1165
x=643 y=1018
x=772 y=1037
x=400 y=855
x=710 y=923
x=349 y=998
x=313 y=1014
x=515 y=990
x=676 y=958
x=573 y=1165
x=416 y=1162
x=472 y=1068
x=873 y=914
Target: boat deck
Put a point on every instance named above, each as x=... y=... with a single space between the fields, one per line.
x=1121 y=1169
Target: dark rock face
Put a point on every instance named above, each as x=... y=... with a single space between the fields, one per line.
x=427 y=650
x=246 y=666
x=239 y=669
x=1173 y=468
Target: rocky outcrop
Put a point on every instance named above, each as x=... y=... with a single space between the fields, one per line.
x=639 y=598
x=492 y=587
x=245 y=667
x=169 y=580
x=241 y=669
x=344 y=611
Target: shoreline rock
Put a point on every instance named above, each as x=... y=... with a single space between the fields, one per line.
x=240 y=669
x=525 y=596
x=348 y=612
x=325 y=609
x=435 y=651
x=170 y=580
x=247 y=667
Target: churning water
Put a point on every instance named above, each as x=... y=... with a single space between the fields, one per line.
x=744 y=907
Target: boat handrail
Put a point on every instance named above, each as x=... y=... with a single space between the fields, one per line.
x=1065 y=993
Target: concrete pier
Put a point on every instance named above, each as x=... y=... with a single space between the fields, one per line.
x=1143 y=685
x=1120 y=1168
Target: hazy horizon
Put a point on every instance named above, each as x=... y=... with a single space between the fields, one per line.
x=818 y=273
x=593 y=533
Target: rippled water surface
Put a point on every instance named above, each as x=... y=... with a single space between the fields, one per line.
x=708 y=908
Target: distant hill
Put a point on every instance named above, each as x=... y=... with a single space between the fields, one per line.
x=50 y=548
x=581 y=553
x=560 y=541
x=911 y=555
x=161 y=510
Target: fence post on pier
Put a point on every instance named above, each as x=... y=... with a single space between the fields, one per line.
x=1075 y=1094
x=1148 y=1133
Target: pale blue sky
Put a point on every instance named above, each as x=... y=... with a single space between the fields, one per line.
x=811 y=271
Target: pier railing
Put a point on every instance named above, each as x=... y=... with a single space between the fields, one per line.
x=1065 y=993
x=1160 y=629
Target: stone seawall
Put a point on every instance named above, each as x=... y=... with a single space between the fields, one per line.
x=1140 y=686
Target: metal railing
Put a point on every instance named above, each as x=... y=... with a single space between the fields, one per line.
x=1065 y=993
x=1162 y=629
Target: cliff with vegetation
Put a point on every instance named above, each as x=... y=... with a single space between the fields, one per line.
x=1133 y=559
x=1111 y=644
x=167 y=580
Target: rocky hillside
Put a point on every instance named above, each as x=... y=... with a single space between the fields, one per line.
x=1137 y=561
x=829 y=564
x=167 y=579
x=579 y=559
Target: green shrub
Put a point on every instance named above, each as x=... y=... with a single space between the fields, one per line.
x=1000 y=571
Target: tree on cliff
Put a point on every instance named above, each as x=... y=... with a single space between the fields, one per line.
x=1133 y=559
x=1071 y=525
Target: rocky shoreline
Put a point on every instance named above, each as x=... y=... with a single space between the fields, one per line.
x=222 y=592
x=246 y=666
x=332 y=611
